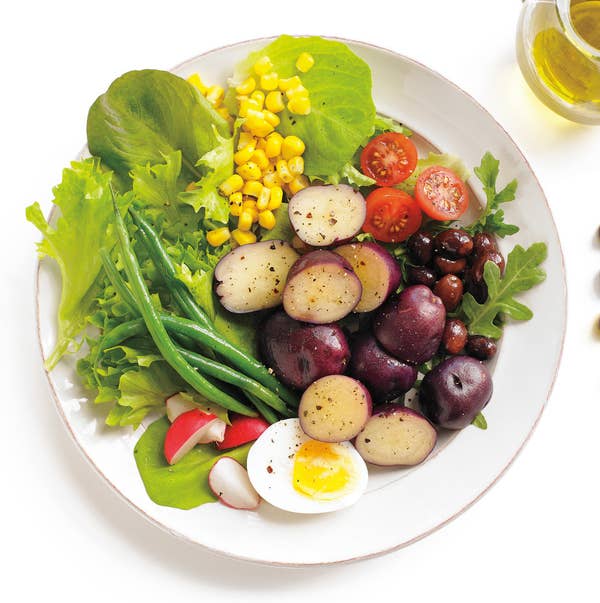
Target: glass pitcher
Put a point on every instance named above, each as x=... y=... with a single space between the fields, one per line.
x=558 y=50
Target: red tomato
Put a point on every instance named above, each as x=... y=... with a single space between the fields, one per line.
x=441 y=194
x=389 y=158
x=392 y=215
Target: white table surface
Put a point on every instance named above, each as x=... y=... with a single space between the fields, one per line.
x=534 y=536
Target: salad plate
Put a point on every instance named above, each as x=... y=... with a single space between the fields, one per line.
x=400 y=505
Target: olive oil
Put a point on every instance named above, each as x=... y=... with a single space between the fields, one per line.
x=568 y=67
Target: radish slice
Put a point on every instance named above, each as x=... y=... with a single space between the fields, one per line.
x=191 y=428
x=177 y=405
x=241 y=431
x=230 y=483
x=323 y=215
x=321 y=288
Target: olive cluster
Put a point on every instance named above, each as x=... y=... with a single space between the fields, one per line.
x=451 y=263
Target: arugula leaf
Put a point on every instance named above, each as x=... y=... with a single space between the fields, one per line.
x=146 y=115
x=522 y=272
x=492 y=218
x=84 y=199
x=342 y=110
x=185 y=484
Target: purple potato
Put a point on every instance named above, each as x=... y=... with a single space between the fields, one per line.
x=455 y=391
x=301 y=353
x=410 y=325
x=385 y=376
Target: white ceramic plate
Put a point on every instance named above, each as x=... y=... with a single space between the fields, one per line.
x=465 y=465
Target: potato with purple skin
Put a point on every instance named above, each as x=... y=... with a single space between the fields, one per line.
x=321 y=288
x=410 y=325
x=252 y=277
x=328 y=214
x=378 y=271
x=334 y=408
x=300 y=353
x=396 y=435
x=386 y=377
x=455 y=391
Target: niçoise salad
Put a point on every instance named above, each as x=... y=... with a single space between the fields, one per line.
x=269 y=268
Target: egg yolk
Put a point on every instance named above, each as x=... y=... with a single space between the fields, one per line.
x=322 y=471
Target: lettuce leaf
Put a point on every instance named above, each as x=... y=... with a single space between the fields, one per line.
x=145 y=115
x=342 y=110
x=84 y=199
x=185 y=484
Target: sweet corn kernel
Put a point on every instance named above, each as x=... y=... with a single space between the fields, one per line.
x=258 y=96
x=261 y=144
x=269 y=81
x=243 y=155
x=299 y=105
x=274 y=101
x=297 y=184
x=262 y=202
x=233 y=184
x=218 y=236
x=247 y=86
x=283 y=171
x=245 y=139
x=271 y=179
x=214 y=95
x=273 y=146
x=266 y=219
x=247 y=105
x=292 y=146
x=235 y=204
x=296 y=166
x=252 y=188
x=296 y=91
x=290 y=82
x=248 y=171
x=276 y=198
x=305 y=62
x=271 y=118
x=248 y=202
x=263 y=65
x=259 y=126
x=245 y=220
x=260 y=158
x=243 y=238
x=252 y=210
x=195 y=81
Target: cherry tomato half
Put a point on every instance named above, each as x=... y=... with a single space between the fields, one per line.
x=392 y=215
x=441 y=194
x=389 y=158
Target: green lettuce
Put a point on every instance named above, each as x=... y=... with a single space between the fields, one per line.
x=342 y=110
x=83 y=228
x=145 y=115
x=443 y=159
x=185 y=484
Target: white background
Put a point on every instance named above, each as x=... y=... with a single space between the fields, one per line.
x=64 y=534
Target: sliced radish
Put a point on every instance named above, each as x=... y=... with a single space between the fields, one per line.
x=177 y=405
x=230 y=483
x=378 y=271
x=191 y=428
x=323 y=215
x=321 y=288
x=241 y=431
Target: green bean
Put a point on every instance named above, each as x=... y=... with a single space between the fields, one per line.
x=243 y=361
x=116 y=280
x=164 y=265
x=233 y=377
x=262 y=408
x=157 y=329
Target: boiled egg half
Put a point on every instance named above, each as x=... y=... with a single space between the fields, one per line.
x=296 y=473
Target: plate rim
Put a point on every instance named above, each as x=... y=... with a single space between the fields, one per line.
x=441 y=524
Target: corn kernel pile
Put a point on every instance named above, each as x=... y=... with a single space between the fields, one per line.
x=267 y=164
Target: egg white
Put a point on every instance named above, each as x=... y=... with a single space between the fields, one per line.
x=271 y=464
